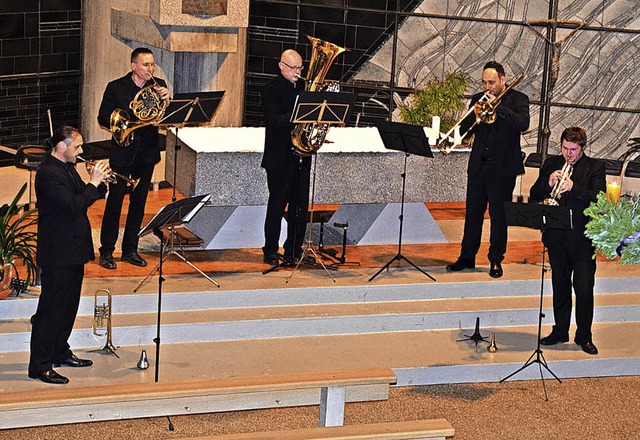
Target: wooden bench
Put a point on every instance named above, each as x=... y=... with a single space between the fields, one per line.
x=66 y=404
x=411 y=430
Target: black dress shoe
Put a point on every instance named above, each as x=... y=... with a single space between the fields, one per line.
x=49 y=376
x=553 y=339
x=589 y=348
x=107 y=262
x=74 y=361
x=134 y=258
x=460 y=264
x=272 y=258
x=496 y=270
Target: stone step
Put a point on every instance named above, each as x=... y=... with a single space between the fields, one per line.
x=305 y=314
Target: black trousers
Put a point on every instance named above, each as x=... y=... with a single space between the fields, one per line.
x=482 y=189
x=572 y=266
x=292 y=188
x=113 y=209
x=55 y=315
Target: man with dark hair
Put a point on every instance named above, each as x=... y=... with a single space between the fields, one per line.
x=494 y=164
x=135 y=160
x=64 y=247
x=288 y=174
x=570 y=250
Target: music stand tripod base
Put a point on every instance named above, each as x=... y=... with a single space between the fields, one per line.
x=540 y=217
x=409 y=139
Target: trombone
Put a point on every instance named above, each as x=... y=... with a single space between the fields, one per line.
x=113 y=176
x=485 y=110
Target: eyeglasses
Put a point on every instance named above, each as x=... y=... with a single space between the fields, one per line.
x=293 y=67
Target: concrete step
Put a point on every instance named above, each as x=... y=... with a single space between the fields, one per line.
x=303 y=312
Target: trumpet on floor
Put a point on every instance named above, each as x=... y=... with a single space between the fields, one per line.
x=113 y=176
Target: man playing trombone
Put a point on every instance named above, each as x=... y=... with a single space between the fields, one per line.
x=494 y=164
x=134 y=158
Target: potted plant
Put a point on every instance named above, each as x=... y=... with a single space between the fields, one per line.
x=17 y=242
x=444 y=98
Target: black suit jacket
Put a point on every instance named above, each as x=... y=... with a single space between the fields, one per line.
x=278 y=100
x=144 y=148
x=588 y=178
x=497 y=145
x=64 y=231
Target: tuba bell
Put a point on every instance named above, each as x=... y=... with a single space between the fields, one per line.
x=308 y=137
x=147 y=106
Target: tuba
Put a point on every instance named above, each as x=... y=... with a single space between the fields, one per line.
x=148 y=106
x=308 y=137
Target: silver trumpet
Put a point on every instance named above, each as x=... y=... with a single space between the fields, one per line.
x=113 y=176
x=555 y=194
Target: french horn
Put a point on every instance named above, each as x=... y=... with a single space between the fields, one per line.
x=147 y=106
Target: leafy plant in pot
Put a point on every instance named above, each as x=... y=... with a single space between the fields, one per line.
x=18 y=238
x=444 y=98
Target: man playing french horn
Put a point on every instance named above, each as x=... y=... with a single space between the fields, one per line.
x=570 y=251
x=134 y=156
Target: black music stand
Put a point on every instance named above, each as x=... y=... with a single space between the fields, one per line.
x=169 y=216
x=330 y=108
x=410 y=139
x=189 y=109
x=542 y=217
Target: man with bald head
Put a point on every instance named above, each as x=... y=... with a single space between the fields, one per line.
x=287 y=172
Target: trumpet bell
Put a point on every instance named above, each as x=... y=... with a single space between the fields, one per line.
x=492 y=348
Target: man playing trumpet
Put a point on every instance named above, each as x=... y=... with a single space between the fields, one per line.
x=570 y=251
x=64 y=246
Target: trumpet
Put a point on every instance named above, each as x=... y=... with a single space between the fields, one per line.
x=113 y=176
x=102 y=319
x=554 y=195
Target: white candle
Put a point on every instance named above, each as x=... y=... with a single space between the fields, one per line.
x=435 y=125
x=457 y=138
x=434 y=132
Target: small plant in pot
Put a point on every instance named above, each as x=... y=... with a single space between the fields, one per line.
x=18 y=238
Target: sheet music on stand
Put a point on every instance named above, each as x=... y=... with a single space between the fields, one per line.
x=176 y=213
x=193 y=108
x=323 y=107
x=538 y=216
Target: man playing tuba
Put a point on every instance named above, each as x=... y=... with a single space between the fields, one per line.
x=288 y=174
x=136 y=160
